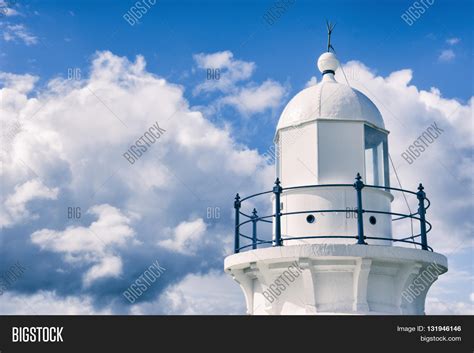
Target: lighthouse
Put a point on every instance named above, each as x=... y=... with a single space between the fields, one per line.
x=327 y=244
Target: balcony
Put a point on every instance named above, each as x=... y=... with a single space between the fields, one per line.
x=250 y=222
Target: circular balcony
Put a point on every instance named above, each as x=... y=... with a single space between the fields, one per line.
x=247 y=234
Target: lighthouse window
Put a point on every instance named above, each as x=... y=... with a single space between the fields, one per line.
x=376 y=157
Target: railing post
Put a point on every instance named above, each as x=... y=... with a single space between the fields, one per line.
x=422 y=211
x=237 y=222
x=277 y=189
x=254 y=228
x=359 y=185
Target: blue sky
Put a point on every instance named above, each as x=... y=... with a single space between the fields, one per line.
x=172 y=31
x=416 y=74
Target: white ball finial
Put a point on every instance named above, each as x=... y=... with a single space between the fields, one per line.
x=328 y=62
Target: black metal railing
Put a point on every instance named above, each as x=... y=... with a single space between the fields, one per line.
x=277 y=190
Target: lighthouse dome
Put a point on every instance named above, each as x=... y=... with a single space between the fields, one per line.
x=329 y=99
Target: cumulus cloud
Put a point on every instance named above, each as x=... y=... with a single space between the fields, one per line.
x=72 y=136
x=14 y=209
x=18 y=83
x=434 y=306
x=446 y=55
x=449 y=295
x=186 y=237
x=91 y=245
x=19 y=32
x=48 y=303
x=247 y=97
x=312 y=81
x=213 y=293
x=109 y=266
x=232 y=71
x=256 y=99
x=78 y=140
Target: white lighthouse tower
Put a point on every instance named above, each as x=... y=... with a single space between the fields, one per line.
x=330 y=248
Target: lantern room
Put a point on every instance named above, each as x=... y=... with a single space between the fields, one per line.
x=327 y=134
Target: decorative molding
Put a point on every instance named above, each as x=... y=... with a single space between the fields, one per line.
x=361 y=282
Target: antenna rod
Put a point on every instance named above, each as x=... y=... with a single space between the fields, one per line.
x=330 y=28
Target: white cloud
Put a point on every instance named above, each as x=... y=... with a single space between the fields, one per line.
x=72 y=137
x=48 y=303
x=19 y=83
x=186 y=237
x=446 y=55
x=256 y=99
x=109 y=266
x=453 y=41
x=92 y=245
x=449 y=294
x=223 y=59
x=19 y=32
x=247 y=97
x=435 y=306
x=312 y=81
x=213 y=293
x=76 y=125
x=232 y=71
x=14 y=208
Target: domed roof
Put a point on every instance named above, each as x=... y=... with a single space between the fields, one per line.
x=329 y=99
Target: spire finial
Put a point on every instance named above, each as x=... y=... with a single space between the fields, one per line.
x=327 y=62
x=330 y=28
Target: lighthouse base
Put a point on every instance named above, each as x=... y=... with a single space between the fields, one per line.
x=337 y=279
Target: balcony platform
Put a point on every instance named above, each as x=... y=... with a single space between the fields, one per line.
x=314 y=279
